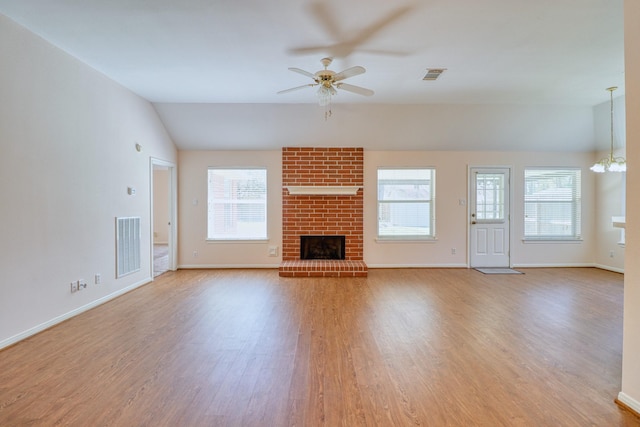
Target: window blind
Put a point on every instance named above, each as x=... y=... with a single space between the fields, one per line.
x=552 y=203
x=406 y=203
x=237 y=204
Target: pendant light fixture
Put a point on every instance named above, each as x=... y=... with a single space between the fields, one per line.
x=610 y=164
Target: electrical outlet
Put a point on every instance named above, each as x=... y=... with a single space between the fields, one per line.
x=195 y=254
x=453 y=251
x=74 y=287
x=273 y=251
x=97 y=279
x=82 y=284
x=611 y=254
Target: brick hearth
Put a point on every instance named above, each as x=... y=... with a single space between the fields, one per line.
x=323 y=268
x=320 y=214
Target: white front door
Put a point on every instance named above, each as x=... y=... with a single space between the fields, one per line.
x=489 y=217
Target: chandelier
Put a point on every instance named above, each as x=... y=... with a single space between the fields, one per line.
x=611 y=163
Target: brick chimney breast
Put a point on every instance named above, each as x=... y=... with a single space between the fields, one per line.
x=322 y=214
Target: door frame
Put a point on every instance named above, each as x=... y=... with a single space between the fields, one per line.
x=469 y=207
x=173 y=211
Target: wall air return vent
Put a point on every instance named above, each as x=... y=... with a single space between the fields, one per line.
x=127 y=245
x=433 y=73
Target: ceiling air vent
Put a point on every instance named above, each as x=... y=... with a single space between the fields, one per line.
x=433 y=73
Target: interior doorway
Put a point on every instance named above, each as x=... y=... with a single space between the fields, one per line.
x=489 y=211
x=163 y=217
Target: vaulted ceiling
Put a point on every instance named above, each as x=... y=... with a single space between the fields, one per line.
x=193 y=57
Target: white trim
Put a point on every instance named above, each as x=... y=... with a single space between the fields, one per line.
x=416 y=265
x=243 y=241
x=565 y=265
x=454 y=265
x=225 y=266
x=543 y=240
x=400 y=239
x=629 y=401
x=608 y=268
x=173 y=210
x=59 y=319
x=313 y=190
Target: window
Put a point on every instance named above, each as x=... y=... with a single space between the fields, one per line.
x=552 y=204
x=237 y=208
x=490 y=197
x=406 y=203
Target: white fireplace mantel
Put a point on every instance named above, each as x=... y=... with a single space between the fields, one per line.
x=322 y=190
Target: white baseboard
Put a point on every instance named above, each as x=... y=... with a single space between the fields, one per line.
x=568 y=265
x=580 y=265
x=416 y=265
x=629 y=401
x=240 y=266
x=225 y=266
x=606 y=267
x=46 y=325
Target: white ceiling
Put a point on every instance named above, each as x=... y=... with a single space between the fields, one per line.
x=513 y=52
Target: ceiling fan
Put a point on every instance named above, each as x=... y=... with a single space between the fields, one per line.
x=329 y=81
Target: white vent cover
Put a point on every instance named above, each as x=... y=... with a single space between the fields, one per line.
x=127 y=245
x=433 y=73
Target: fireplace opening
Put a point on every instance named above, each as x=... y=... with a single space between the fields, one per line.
x=322 y=247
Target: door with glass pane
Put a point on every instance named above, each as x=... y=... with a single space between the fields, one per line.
x=489 y=217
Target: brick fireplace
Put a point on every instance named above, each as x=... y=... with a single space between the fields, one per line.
x=322 y=196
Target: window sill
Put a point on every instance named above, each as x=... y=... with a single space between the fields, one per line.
x=265 y=240
x=406 y=240
x=551 y=240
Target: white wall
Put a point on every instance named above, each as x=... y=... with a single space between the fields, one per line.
x=161 y=205
x=451 y=178
x=610 y=198
x=67 y=144
x=630 y=393
x=192 y=214
x=380 y=126
x=452 y=218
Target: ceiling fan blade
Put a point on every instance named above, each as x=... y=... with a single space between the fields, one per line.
x=308 y=50
x=384 y=52
x=294 y=89
x=363 y=36
x=327 y=19
x=338 y=50
x=349 y=72
x=303 y=72
x=344 y=46
x=355 y=89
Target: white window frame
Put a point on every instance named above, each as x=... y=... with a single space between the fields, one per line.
x=212 y=202
x=575 y=224
x=431 y=201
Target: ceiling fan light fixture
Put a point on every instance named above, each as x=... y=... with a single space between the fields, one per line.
x=610 y=163
x=324 y=95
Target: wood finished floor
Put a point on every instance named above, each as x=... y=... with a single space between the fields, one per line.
x=432 y=347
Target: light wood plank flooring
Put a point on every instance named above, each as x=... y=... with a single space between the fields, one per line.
x=414 y=347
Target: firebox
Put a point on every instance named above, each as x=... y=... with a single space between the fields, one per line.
x=322 y=247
